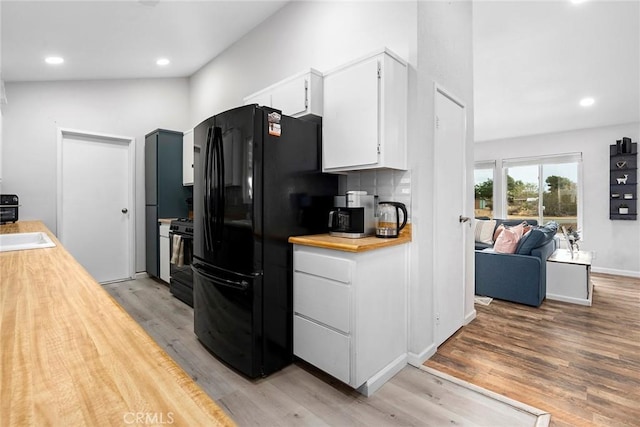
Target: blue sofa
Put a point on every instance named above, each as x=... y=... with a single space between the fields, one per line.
x=520 y=277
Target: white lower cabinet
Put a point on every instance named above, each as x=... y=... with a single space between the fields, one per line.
x=165 y=256
x=323 y=347
x=350 y=313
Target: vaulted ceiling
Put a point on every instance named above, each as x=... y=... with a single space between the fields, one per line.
x=121 y=39
x=533 y=60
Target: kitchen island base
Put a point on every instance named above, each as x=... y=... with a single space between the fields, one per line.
x=71 y=355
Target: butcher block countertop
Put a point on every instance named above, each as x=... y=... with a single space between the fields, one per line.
x=71 y=356
x=351 y=245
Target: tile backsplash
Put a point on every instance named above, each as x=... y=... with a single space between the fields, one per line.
x=387 y=184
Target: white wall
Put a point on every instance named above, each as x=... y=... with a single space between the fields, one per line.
x=118 y=107
x=616 y=243
x=445 y=56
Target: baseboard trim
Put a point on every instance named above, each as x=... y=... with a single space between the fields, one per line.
x=142 y=275
x=543 y=417
x=616 y=272
x=470 y=316
x=382 y=376
x=418 y=359
x=572 y=300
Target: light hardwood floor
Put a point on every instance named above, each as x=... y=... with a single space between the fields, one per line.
x=303 y=395
x=581 y=364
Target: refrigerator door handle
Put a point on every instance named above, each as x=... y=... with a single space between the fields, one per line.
x=213 y=188
x=219 y=176
x=207 y=191
x=242 y=285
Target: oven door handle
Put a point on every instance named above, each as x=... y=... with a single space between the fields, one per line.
x=185 y=236
x=242 y=285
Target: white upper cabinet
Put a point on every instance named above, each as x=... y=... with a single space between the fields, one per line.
x=295 y=96
x=187 y=158
x=365 y=114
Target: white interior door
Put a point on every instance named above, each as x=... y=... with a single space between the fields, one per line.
x=450 y=176
x=95 y=202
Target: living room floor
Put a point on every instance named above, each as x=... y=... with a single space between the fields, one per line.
x=581 y=364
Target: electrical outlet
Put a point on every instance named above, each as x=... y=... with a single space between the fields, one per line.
x=593 y=255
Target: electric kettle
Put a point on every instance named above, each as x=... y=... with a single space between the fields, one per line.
x=388 y=224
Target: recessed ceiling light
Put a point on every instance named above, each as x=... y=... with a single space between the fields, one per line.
x=577 y=1
x=162 y=62
x=54 y=60
x=587 y=102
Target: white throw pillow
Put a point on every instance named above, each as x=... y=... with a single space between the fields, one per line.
x=484 y=230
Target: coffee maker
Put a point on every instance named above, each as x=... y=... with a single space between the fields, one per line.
x=354 y=215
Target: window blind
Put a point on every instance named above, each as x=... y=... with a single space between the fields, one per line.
x=488 y=164
x=543 y=160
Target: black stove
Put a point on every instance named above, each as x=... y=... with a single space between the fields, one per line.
x=181 y=249
x=182 y=225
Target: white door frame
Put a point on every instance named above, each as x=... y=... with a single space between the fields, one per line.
x=65 y=132
x=439 y=89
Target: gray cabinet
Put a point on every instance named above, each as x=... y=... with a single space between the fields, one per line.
x=165 y=196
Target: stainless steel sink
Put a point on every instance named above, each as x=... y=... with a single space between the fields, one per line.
x=24 y=241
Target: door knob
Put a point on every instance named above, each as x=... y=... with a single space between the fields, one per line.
x=464 y=218
x=125 y=210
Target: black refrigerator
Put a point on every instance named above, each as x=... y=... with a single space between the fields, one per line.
x=257 y=181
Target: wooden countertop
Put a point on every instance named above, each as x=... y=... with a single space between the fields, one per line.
x=71 y=356
x=351 y=245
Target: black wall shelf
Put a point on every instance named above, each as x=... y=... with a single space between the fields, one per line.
x=623 y=180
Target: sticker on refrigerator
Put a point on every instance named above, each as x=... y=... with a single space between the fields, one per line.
x=274 y=124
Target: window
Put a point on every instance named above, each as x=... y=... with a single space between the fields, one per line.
x=522 y=192
x=483 y=188
x=547 y=189
x=560 y=197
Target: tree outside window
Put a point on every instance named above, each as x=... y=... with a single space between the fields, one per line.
x=522 y=192
x=560 y=198
x=483 y=188
x=554 y=198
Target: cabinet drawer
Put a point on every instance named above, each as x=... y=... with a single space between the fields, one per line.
x=333 y=268
x=322 y=347
x=323 y=300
